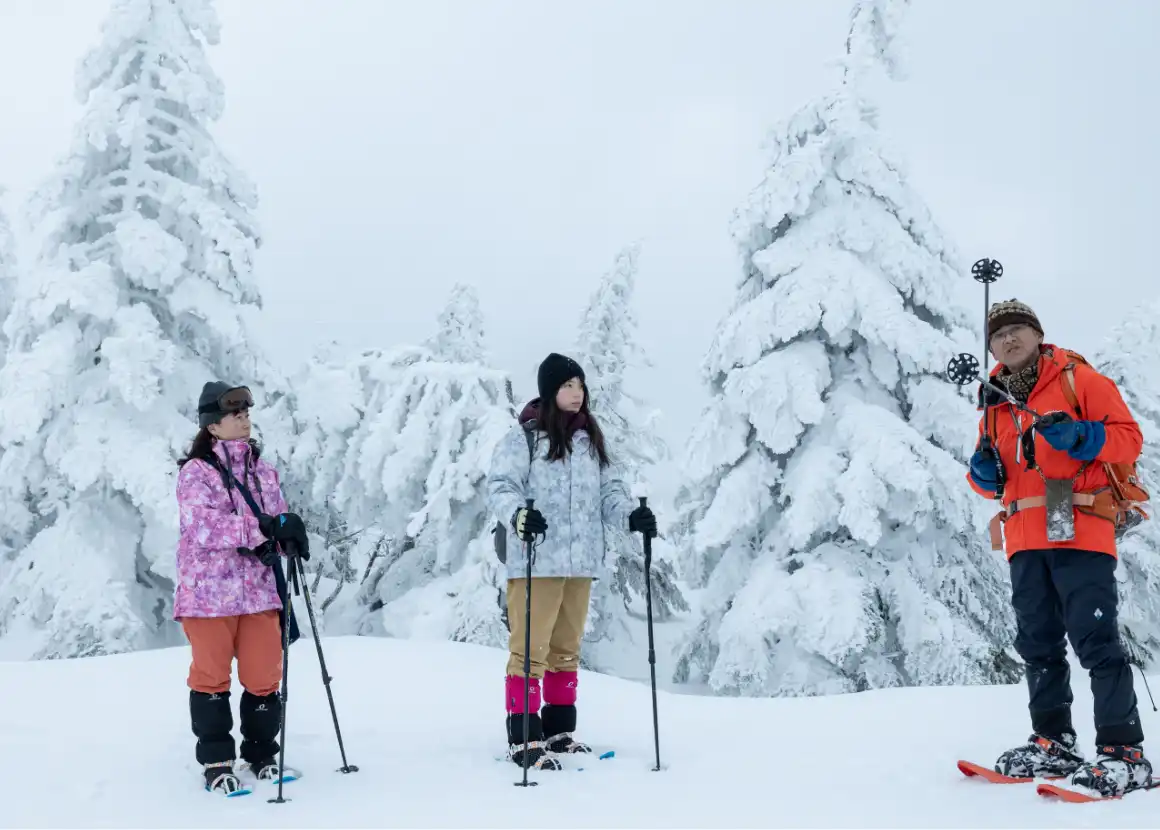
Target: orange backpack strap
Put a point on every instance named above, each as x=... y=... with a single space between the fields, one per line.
x=996 y=528
x=1068 y=383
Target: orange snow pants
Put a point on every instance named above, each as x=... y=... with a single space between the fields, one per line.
x=254 y=639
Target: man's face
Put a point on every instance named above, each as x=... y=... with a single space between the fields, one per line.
x=1016 y=345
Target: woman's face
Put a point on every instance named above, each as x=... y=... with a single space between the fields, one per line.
x=570 y=397
x=232 y=427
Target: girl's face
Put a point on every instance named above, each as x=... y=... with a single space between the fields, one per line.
x=571 y=396
x=232 y=427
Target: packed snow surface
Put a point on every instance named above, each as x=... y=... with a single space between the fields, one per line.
x=105 y=742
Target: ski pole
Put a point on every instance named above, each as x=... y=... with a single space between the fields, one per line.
x=287 y=609
x=299 y=570
x=964 y=368
x=1147 y=687
x=527 y=651
x=1140 y=668
x=652 y=655
x=987 y=271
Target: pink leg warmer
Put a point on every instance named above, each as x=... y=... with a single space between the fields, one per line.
x=560 y=687
x=514 y=694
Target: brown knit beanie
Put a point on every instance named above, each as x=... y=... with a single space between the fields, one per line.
x=1011 y=311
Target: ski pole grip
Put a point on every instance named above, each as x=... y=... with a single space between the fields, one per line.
x=528 y=503
x=643 y=500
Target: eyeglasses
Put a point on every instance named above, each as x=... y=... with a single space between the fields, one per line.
x=1011 y=330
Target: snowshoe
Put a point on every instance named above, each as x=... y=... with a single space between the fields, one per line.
x=1041 y=757
x=265 y=770
x=559 y=722
x=268 y=771
x=563 y=744
x=538 y=756
x=1117 y=770
x=220 y=778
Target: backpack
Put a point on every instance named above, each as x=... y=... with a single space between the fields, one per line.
x=500 y=529
x=1122 y=501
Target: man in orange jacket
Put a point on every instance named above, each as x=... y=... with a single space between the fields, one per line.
x=1065 y=587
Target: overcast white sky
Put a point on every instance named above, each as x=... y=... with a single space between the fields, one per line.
x=401 y=146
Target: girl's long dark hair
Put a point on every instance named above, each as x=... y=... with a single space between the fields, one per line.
x=202 y=448
x=554 y=421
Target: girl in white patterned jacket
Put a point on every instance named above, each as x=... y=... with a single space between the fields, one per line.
x=576 y=494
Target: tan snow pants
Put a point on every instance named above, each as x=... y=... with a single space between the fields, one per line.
x=559 y=611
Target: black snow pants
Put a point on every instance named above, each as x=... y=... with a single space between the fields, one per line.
x=1073 y=592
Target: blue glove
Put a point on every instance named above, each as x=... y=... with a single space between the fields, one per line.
x=1082 y=440
x=985 y=470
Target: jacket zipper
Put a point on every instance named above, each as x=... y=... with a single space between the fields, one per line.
x=229 y=464
x=1017 y=420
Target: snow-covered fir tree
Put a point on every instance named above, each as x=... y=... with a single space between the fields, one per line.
x=607 y=347
x=7 y=275
x=415 y=445
x=137 y=298
x=459 y=334
x=11 y=537
x=327 y=405
x=826 y=512
x=1131 y=357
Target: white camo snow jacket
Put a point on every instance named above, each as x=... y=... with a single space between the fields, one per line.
x=576 y=496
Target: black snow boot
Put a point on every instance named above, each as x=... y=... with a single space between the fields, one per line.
x=212 y=720
x=559 y=724
x=261 y=719
x=1115 y=771
x=1041 y=757
x=221 y=778
x=538 y=755
x=267 y=770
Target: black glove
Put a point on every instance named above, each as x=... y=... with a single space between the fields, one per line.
x=265 y=553
x=288 y=527
x=529 y=523
x=293 y=548
x=643 y=521
x=289 y=530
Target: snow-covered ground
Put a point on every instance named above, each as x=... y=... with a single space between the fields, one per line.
x=105 y=742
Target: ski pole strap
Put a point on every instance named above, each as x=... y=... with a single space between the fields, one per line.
x=242 y=488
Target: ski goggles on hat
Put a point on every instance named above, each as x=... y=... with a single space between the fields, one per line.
x=232 y=400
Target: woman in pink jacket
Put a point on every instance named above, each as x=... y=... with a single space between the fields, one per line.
x=227 y=597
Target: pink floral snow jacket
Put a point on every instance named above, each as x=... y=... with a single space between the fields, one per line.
x=213 y=579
